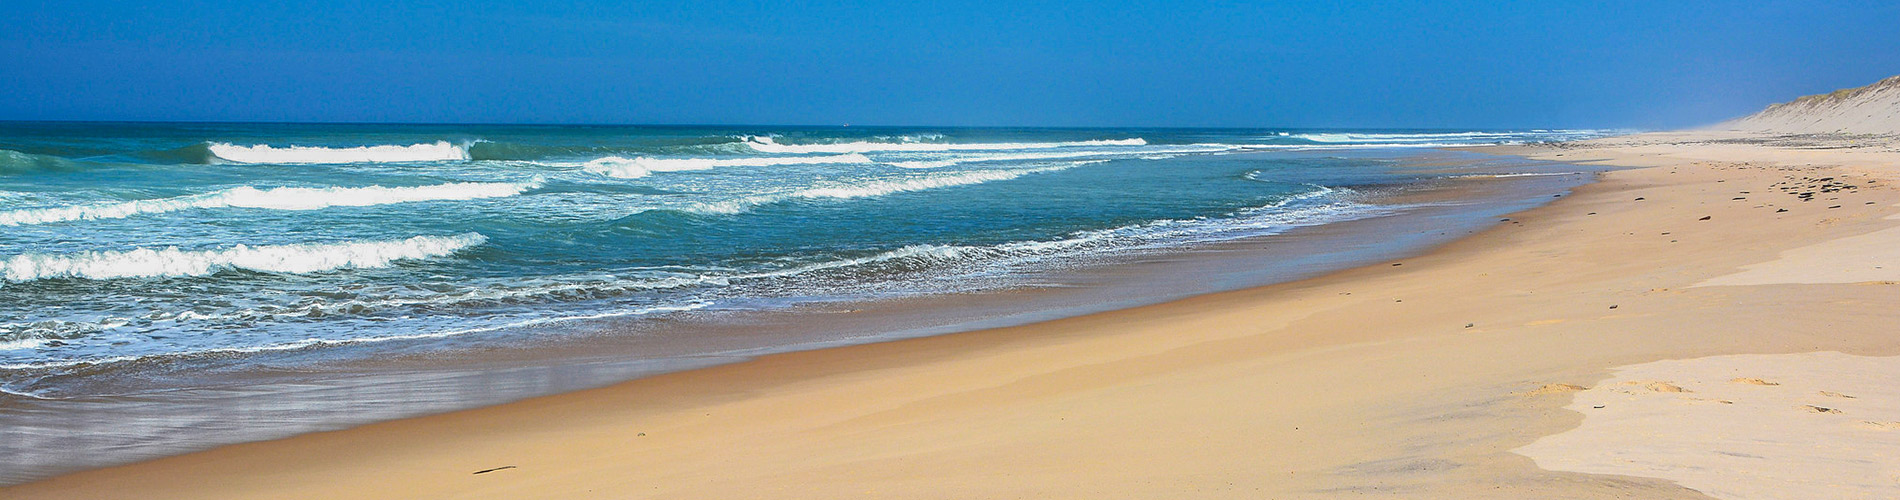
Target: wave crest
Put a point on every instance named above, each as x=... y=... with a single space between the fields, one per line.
x=283 y=198
x=15 y=162
x=872 y=188
x=633 y=168
x=172 y=262
x=1430 y=139
x=1143 y=153
x=881 y=188
x=1267 y=219
x=766 y=144
x=389 y=153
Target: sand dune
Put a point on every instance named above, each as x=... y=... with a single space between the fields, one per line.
x=1873 y=109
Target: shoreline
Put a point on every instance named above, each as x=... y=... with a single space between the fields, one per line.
x=1410 y=379
x=1455 y=194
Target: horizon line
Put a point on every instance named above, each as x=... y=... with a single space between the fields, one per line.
x=734 y=125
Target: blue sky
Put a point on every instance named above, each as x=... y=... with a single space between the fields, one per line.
x=1109 y=63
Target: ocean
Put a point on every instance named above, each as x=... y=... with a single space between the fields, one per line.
x=151 y=271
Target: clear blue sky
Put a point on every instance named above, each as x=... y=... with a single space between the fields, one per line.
x=1110 y=63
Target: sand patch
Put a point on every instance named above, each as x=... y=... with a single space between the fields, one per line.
x=1868 y=257
x=1801 y=436
x=1665 y=387
x=1555 y=389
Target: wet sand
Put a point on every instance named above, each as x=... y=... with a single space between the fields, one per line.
x=1408 y=379
x=119 y=414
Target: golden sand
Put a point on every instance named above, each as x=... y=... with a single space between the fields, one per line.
x=1413 y=381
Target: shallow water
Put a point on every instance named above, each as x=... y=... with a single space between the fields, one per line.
x=171 y=287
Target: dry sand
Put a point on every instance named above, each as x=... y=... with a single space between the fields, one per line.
x=1809 y=425
x=1410 y=379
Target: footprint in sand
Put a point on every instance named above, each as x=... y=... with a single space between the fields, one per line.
x=1880 y=426
x=1820 y=409
x=1666 y=387
x=1752 y=381
x=1555 y=389
x=1833 y=394
x=1654 y=386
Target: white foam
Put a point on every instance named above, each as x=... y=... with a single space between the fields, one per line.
x=872 y=188
x=553 y=320
x=921 y=252
x=315 y=342
x=488 y=294
x=22 y=344
x=1354 y=137
x=283 y=198
x=263 y=153
x=633 y=168
x=1461 y=138
x=881 y=188
x=1056 y=155
x=769 y=145
x=1515 y=174
x=171 y=261
x=929 y=164
x=1167 y=232
x=1330 y=147
x=16 y=392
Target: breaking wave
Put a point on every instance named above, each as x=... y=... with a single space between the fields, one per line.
x=1348 y=137
x=1057 y=155
x=173 y=262
x=871 y=188
x=633 y=168
x=881 y=188
x=1451 y=138
x=766 y=144
x=1248 y=222
x=15 y=162
x=283 y=198
x=262 y=153
x=29 y=343
x=1514 y=174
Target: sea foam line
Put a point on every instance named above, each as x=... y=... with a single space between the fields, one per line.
x=844 y=191
x=1343 y=146
x=1339 y=137
x=388 y=153
x=881 y=188
x=633 y=168
x=315 y=342
x=1057 y=155
x=22 y=344
x=1513 y=174
x=282 y=198
x=172 y=262
x=1242 y=223
x=599 y=288
x=766 y=144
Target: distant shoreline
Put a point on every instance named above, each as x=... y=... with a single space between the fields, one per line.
x=1420 y=375
x=366 y=390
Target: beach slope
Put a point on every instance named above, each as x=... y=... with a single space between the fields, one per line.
x=1419 y=378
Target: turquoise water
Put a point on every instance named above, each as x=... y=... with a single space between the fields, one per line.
x=136 y=243
x=172 y=287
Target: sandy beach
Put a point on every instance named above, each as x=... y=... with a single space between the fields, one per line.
x=1419 y=378
x=971 y=250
